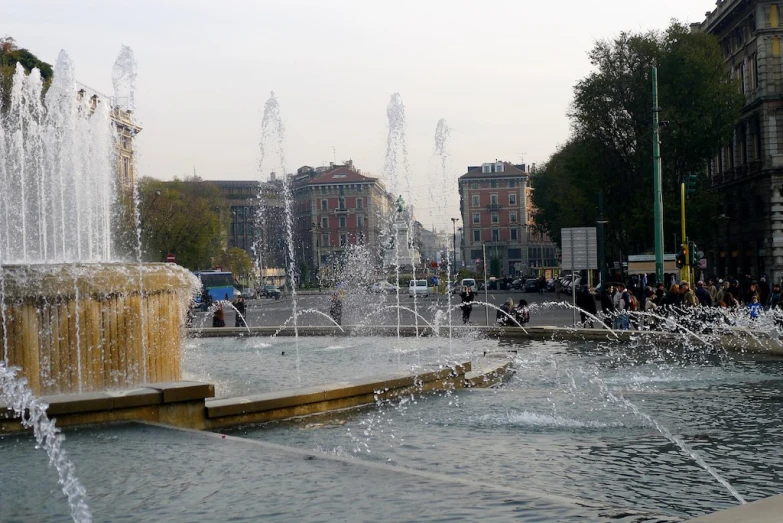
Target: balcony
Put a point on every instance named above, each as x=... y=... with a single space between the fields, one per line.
x=494 y=207
x=341 y=210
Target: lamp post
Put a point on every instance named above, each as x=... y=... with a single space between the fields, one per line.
x=454 y=244
x=601 y=238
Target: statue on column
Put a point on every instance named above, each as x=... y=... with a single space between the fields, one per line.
x=400 y=205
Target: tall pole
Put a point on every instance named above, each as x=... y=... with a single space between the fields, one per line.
x=658 y=197
x=687 y=266
x=601 y=237
x=454 y=245
x=486 y=283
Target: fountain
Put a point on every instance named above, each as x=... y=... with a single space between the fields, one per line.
x=631 y=426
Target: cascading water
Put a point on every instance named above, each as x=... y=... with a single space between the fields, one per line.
x=32 y=412
x=57 y=172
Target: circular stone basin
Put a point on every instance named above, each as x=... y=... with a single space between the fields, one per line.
x=89 y=327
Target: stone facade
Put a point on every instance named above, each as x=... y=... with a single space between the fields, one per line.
x=748 y=172
x=496 y=211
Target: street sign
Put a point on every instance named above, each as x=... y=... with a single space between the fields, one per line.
x=170 y=258
x=579 y=248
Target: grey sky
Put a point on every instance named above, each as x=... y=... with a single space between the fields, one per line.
x=500 y=73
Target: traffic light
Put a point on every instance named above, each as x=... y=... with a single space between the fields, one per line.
x=690 y=184
x=692 y=253
x=682 y=256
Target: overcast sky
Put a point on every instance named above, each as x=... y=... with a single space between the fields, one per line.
x=500 y=73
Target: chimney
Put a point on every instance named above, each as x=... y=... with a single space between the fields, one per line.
x=331 y=165
x=272 y=176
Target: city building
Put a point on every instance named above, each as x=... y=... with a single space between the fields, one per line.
x=336 y=207
x=257 y=225
x=126 y=128
x=748 y=172
x=496 y=211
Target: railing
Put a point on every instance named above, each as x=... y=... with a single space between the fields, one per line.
x=494 y=207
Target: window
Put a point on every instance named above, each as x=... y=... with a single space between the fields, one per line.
x=326 y=241
x=512 y=198
x=493 y=199
x=476 y=235
x=325 y=223
x=476 y=217
x=512 y=216
x=741 y=75
x=754 y=72
x=486 y=168
x=324 y=205
x=514 y=234
x=499 y=167
x=360 y=202
x=512 y=183
x=493 y=184
x=495 y=235
x=343 y=240
x=475 y=200
x=342 y=222
x=495 y=217
x=773 y=15
x=323 y=189
x=474 y=185
x=360 y=222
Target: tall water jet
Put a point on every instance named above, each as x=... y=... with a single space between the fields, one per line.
x=71 y=317
x=273 y=131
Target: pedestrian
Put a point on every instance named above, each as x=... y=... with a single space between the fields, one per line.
x=558 y=287
x=754 y=307
x=703 y=295
x=467 y=303
x=239 y=305
x=586 y=304
x=607 y=305
x=218 y=320
x=503 y=316
x=649 y=309
x=688 y=296
x=521 y=312
x=336 y=308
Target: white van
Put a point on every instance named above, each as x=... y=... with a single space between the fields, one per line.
x=418 y=288
x=467 y=282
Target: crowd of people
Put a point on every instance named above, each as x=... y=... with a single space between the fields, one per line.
x=748 y=296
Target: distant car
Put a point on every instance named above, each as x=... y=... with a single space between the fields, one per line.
x=248 y=293
x=531 y=285
x=270 y=291
x=516 y=284
x=418 y=288
x=383 y=287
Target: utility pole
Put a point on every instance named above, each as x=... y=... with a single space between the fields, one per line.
x=657 y=196
x=686 y=270
x=602 y=237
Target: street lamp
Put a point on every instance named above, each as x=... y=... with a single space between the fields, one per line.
x=454 y=245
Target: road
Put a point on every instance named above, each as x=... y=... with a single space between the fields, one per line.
x=378 y=309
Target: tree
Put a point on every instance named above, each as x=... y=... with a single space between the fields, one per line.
x=611 y=145
x=186 y=218
x=10 y=55
x=236 y=261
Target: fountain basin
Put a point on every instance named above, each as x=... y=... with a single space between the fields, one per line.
x=93 y=327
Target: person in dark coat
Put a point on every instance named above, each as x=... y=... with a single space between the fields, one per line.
x=607 y=305
x=336 y=308
x=239 y=305
x=586 y=304
x=467 y=303
x=218 y=320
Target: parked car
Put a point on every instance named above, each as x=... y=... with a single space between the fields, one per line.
x=516 y=284
x=466 y=282
x=270 y=291
x=531 y=285
x=383 y=287
x=418 y=288
x=248 y=293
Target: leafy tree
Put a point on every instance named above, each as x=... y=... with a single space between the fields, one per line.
x=611 y=145
x=10 y=55
x=186 y=218
x=237 y=261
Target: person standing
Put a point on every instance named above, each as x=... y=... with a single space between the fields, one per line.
x=467 y=303
x=586 y=304
x=336 y=308
x=239 y=305
x=607 y=305
x=522 y=312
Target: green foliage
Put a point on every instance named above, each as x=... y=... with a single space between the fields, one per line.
x=187 y=218
x=237 y=261
x=611 y=147
x=10 y=55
